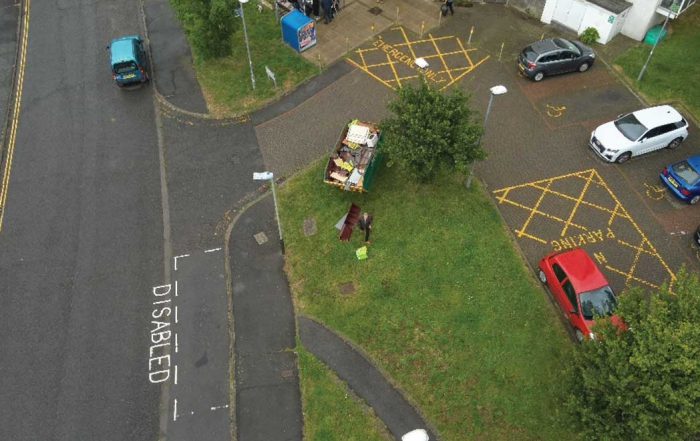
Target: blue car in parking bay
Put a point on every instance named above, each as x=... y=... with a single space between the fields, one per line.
x=128 y=61
x=683 y=178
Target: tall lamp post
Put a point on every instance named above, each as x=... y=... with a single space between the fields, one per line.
x=247 y=45
x=269 y=176
x=495 y=90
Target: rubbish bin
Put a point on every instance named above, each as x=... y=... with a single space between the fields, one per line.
x=654 y=34
x=298 y=31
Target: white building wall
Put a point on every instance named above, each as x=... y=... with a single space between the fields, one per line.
x=642 y=15
x=597 y=18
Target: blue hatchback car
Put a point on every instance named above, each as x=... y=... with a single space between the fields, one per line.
x=683 y=178
x=128 y=60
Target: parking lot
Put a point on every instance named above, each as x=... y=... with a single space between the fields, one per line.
x=555 y=193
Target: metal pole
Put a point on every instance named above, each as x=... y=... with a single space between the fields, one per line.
x=277 y=215
x=658 y=37
x=486 y=118
x=247 y=46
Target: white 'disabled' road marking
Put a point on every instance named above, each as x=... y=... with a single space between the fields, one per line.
x=178 y=257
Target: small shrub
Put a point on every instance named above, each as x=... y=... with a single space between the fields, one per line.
x=589 y=36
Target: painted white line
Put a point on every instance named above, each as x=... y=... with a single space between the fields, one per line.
x=176 y=345
x=175 y=409
x=175 y=314
x=212 y=250
x=161 y=301
x=176 y=288
x=225 y=406
x=179 y=257
x=175 y=374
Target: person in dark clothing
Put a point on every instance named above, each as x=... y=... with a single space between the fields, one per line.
x=327 y=12
x=449 y=4
x=366 y=225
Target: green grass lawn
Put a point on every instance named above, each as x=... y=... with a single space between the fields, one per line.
x=226 y=82
x=444 y=304
x=337 y=414
x=674 y=70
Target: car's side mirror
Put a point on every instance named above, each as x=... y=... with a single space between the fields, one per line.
x=107 y=48
x=573 y=312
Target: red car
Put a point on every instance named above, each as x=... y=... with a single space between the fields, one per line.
x=579 y=288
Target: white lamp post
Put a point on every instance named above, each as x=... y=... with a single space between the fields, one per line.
x=495 y=90
x=247 y=45
x=269 y=176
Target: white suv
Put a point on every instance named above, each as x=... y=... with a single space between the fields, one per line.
x=639 y=132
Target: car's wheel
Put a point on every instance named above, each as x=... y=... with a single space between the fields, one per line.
x=584 y=67
x=695 y=199
x=579 y=335
x=675 y=143
x=623 y=158
x=538 y=76
x=542 y=276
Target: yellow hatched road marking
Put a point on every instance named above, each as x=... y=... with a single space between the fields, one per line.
x=504 y=196
x=578 y=202
x=12 y=135
x=442 y=58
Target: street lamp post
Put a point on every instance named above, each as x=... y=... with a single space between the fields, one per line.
x=269 y=176
x=247 y=45
x=658 y=37
x=495 y=90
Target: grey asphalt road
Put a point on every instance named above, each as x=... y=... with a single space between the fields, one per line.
x=81 y=245
x=210 y=174
x=9 y=14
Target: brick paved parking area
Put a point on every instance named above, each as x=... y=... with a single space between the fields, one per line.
x=555 y=193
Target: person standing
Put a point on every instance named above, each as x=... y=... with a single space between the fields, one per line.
x=366 y=225
x=449 y=4
x=327 y=13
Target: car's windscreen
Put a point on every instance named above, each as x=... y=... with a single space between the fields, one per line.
x=529 y=54
x=684 y=170
x=122 y=68
x=566 y=44
x=630 y=126
x=600 y=302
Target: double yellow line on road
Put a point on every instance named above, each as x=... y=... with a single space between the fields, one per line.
x=17 y=104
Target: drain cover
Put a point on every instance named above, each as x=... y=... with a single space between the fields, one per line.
x=375 y=11
x=260 y=238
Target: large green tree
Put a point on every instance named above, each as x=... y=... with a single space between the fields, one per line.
x=644 y=383
x=209 y=25
x=429 y=131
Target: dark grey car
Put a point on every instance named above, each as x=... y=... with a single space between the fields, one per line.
x=554 y=56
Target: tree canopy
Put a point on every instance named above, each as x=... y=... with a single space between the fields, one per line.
x=209 y=25
x=429 y=131
x=643 y=383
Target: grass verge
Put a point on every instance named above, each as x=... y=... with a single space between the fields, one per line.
x=444 y=304
x=332 y=412
x=226 y=82
x=675 y=66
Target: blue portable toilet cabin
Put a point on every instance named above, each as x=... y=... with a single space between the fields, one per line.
x=298 y=31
